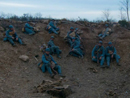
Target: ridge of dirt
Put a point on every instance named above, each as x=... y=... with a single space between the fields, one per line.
x=17 y=78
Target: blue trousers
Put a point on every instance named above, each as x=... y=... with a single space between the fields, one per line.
x=51 y=30
x=102 y=35
x=77 y=52
x=47 y=66
x=69 y=40
x=117 y=57
x=29 y=31
x=57 y=29
x=12 y=40
x=55 y=50
x=101 y=61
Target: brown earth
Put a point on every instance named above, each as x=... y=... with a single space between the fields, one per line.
x=18 y=78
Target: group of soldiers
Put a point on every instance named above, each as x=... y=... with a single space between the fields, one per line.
x=74 y=42
x=12 y=36
x=98 y=54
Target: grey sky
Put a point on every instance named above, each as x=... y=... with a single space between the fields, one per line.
x=72 y=9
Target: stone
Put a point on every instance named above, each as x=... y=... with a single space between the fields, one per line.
x=24 y=58
x=37 y=29
x=111 y=93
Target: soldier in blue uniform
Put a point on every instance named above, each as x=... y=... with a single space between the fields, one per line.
x=68 y=37
x=98 y=54
x=47 y=60
x=75 y=49
x=111 y=53
x=52 y=28
x=105 y=33
x=28 y=29
x=53 y=48
x=12 y=36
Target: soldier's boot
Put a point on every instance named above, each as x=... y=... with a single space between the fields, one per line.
x=32 y=33
x=23 y=44
x=62 y=76
x=118 y=64
x=59 y=57
x=102 y=66
x=13 y=45
x=52 y=75
x=108 y=66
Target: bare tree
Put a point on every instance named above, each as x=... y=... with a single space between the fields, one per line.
x=106 y=14
x=9 y=15
x=122 y=16
x=27 y=16
x=125 y=7
x=2 y=15
x=38 y=15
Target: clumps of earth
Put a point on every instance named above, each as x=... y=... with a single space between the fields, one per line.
x=19 y=72
x=54 y=88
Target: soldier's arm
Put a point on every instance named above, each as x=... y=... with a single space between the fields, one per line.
x=51 y=43
x=52 y=25
x=77 y=35
x=7 y=34
x=106 y=51
x=53 y=60
x=93 y=51
x=40 y=63
x=44 y=60
x=103 y=51
x=16 y=35
x=114 y=50
x=28 y=26
x=77 y=45
x=68 y=34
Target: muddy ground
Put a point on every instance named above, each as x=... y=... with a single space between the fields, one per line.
x=18 y=78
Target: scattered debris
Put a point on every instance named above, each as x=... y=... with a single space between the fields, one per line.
x=111 y=93
x=1 y=29
x=55 y=88
x=45 y=21
x=94 y=70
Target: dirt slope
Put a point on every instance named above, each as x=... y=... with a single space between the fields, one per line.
x=17 y=78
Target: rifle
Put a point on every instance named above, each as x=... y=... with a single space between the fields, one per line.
x=54 y=71
x=97 y=58
x=68 y=53
x=113 y=49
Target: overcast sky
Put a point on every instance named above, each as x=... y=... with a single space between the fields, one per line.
x=71 y=9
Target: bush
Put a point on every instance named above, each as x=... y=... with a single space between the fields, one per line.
x=124 y=23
